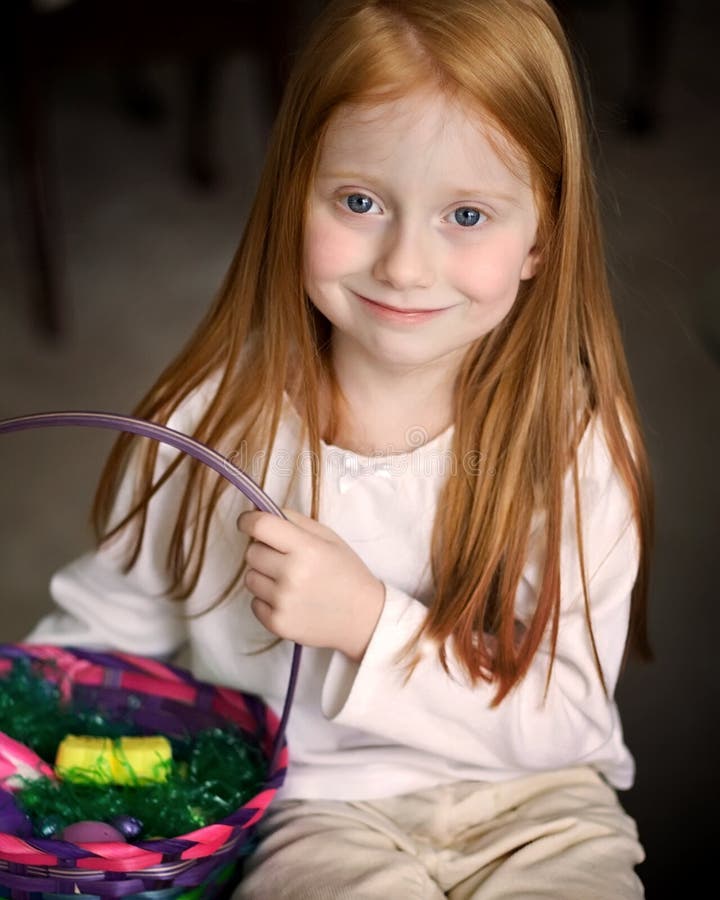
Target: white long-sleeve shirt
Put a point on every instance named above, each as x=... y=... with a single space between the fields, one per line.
x=355 y=730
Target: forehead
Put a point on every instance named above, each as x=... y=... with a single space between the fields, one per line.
x=424 y=131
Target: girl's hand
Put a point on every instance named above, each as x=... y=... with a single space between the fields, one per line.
x=309 y=586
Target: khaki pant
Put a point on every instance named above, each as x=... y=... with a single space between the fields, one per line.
x=559 y=835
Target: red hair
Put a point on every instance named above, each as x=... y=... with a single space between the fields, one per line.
x=525 y=392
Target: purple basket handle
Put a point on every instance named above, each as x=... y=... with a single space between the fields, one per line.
x=191 y=447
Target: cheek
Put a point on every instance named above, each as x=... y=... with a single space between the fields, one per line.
x=330 y=250
x=490 y=272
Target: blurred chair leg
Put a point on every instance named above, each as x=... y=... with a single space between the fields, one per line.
x=35 y=40
x=649 y=39
x=202 y=83
x=32 y=191
x=48 y=305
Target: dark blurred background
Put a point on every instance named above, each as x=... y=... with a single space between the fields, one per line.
x=132 y=139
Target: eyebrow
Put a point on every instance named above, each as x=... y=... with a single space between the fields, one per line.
x=478 y=191
x=485 y=192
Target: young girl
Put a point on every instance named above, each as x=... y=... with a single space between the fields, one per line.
x=415 y=353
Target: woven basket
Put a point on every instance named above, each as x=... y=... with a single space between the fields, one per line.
x=157 y=698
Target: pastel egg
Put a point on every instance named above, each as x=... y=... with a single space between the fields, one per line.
x=91 y=833
x=128 y=826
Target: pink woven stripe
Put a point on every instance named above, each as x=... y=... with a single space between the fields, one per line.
x=283 y=758
x=84 y=672
x=272 y=723
x=55 y=654
x=15 y=849
x=174 y=690
x=210 y=834
x=112 y=849
x=201 y=850
x=66 y=668
x=129 y=862
x=6 y=665
x=151 y=666
x=271 y=720
x=231 y=705
x=261 y=801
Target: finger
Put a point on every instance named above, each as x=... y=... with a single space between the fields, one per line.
x=263 y=612
x=260 y=585
x=245 y=519
x=269 y=529
x=312 y=526
x=265 y=559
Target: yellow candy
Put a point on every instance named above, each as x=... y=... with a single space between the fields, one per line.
x=100 y=760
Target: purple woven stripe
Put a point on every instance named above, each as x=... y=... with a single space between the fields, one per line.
x=277 y=779
x=202 y=872
x=170 y=847
x=118 y=884
x=54 y=885
x=12 y=651
x=204 y=696
x=65 y=851
x=111 y=661
x=121 y=884
x=103 y=659
x=171 y=673
x=258 y=711
x=241 y=816
x=159 y=715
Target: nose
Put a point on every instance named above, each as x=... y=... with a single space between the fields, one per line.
x=404 y=259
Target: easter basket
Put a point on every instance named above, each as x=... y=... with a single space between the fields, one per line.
x=156 y=698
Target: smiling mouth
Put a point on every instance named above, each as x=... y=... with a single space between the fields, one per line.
x=399 y=310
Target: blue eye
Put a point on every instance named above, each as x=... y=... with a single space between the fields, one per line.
x=467 y=216
x=359 y=203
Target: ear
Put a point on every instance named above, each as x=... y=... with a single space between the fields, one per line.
x=531 y=264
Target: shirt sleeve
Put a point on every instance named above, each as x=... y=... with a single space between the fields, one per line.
x=445 y=715
x=99 y=606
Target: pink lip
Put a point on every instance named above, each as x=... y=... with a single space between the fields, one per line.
x=392 y=313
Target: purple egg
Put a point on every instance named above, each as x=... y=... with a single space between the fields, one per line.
x=90 y=832
x=128 y=826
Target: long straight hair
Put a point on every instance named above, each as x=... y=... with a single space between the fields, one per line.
x=525 y=391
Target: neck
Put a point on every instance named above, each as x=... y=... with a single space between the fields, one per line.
x=391 y=409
